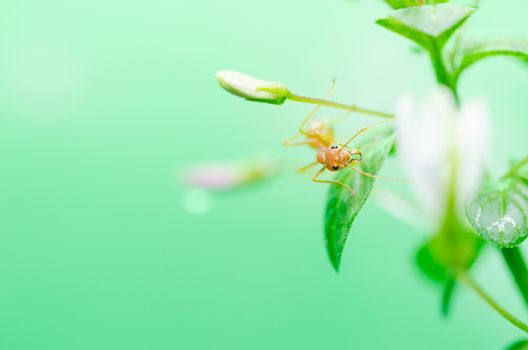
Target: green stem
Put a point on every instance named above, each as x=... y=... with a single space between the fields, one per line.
x=465 y=278
x=331 y=104
x=513 y=256
x=439 y=67
x=442 y=75
x=518 y=269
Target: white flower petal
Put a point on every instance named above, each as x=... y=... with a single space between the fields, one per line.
x=473 y=147
x=437 y=137
x=423 y=143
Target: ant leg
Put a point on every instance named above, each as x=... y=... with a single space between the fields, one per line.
x=342 y=116
x=302 y=131
x=291 y=144
x=362 y=130
x=333 y=182
x=306 y=167
x=289 y=141
x=359 y=171
x=316 y=108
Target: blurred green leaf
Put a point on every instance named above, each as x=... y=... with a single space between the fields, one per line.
x=342 y=208
x=429 y=265
x=447 y=296
x=479 y=50
x=515 y=261
x=453 y=247
x=433 y=20
x=499 y=212
x=518 y=345
x=418 y=37
x=445 y=251
x=430 y=26
x=398 y=4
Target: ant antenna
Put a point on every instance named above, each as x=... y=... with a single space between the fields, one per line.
x=361 y=131
x=359 y=171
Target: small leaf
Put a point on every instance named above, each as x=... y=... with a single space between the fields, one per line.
x=429 y=266
x=433 y=20
x=447 y=296
x=518 y=345
x=499 y=213
x=398 y=4
x=419 y=38
x=515 y=261
x=477 y=51
x=342 y=208
x=429 y=24
x=454 y=247
x=445 y=251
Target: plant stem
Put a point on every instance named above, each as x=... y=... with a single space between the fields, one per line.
x=440 y=70
x=465 y=278
x=442 y=75
x=331 y=104
x=512 y=256
x=517 y=266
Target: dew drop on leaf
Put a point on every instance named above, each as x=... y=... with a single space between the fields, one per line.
x=500 y=217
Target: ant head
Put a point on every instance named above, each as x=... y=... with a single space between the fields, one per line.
x=336 y=157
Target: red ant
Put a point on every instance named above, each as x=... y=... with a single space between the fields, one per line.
x=333 y=155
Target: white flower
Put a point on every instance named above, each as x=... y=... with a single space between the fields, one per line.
x=437 y=140
x=251 y=88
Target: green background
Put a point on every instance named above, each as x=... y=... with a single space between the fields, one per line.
x=103 y=103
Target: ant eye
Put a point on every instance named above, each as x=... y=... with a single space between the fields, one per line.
x=334 y=147
x=335 y=167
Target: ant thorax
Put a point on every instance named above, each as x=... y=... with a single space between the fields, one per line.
x=318 y=133
x=336 y=158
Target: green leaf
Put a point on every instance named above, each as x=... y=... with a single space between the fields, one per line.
x=515 y=261
x=342 y=208
x=429 y=264
x=427 y=25
x=445 y=251
x=447 y=296
x=518 y=345
x=478 y=50
x=499 y=212
x=433 y=20
x=398 y=4
x=419 y=38
x=453 y=247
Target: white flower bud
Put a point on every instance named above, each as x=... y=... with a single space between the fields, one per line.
x=251 y=88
